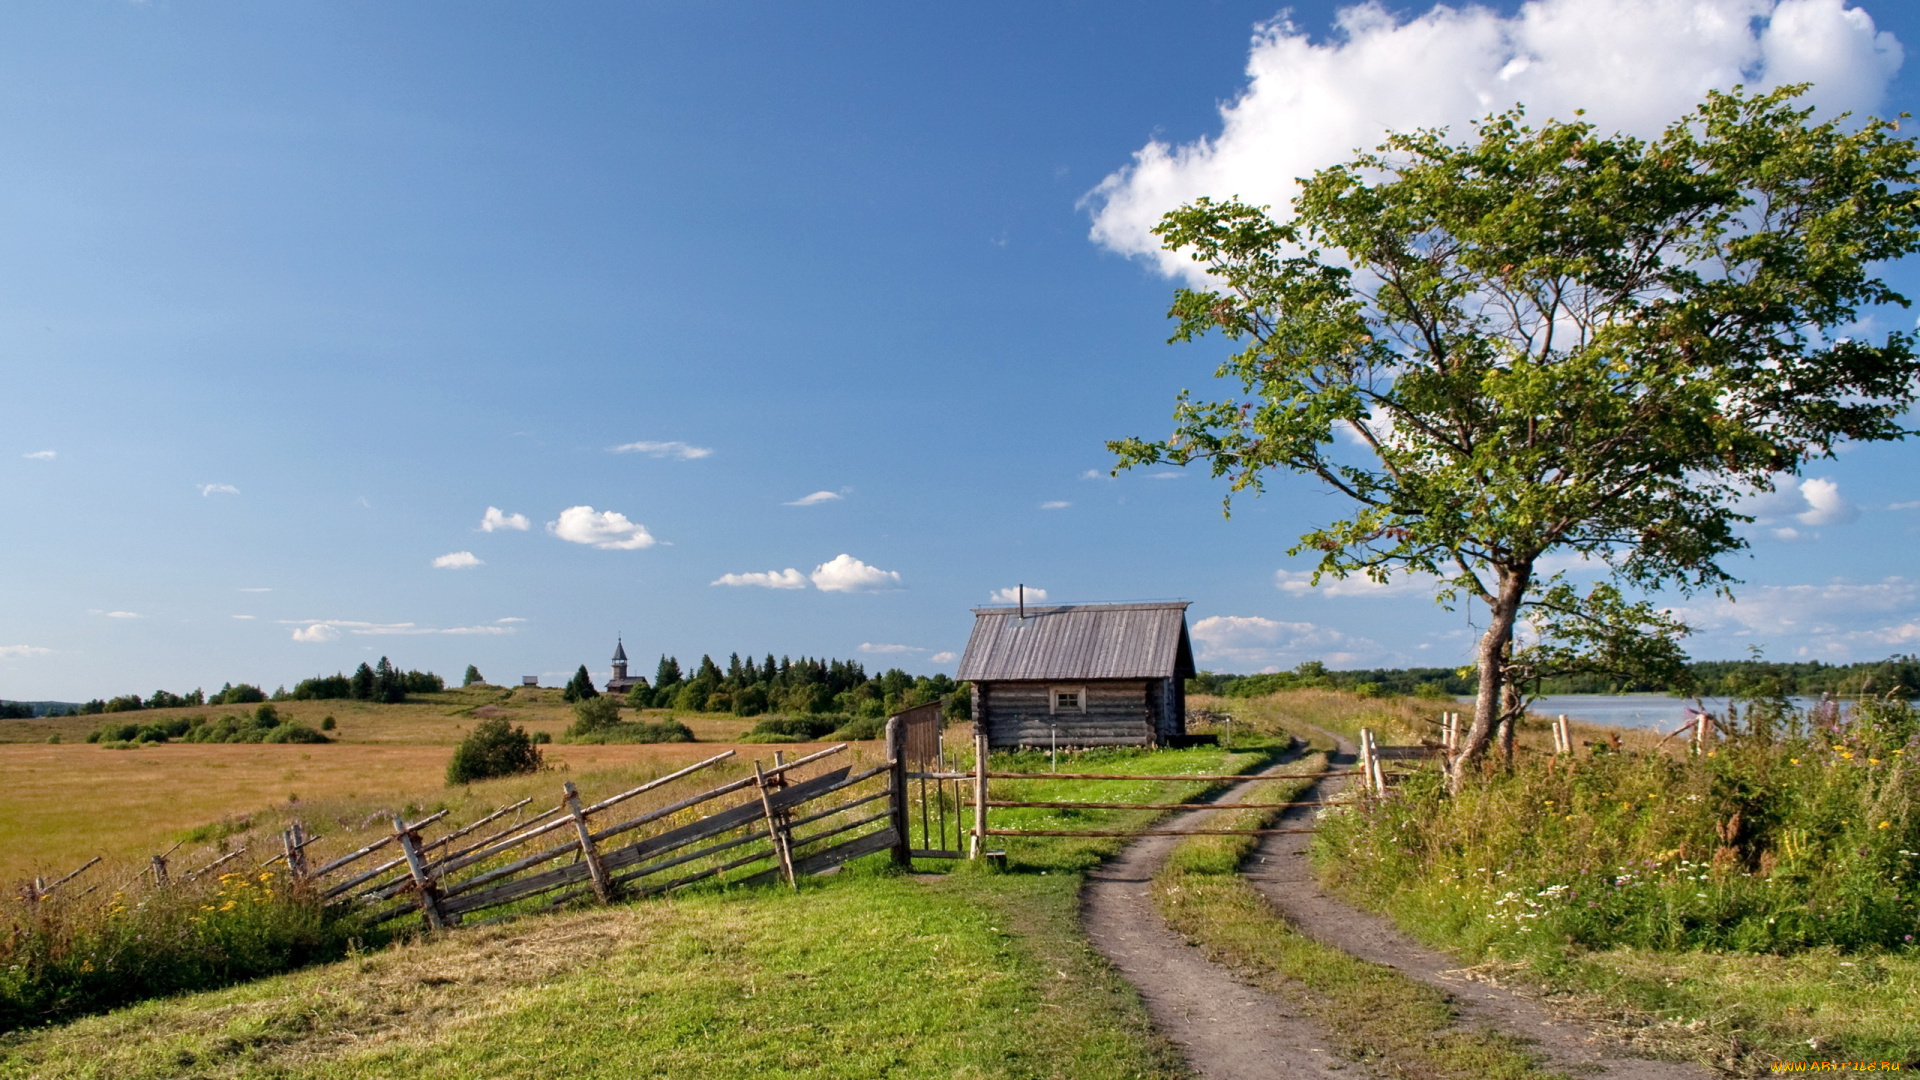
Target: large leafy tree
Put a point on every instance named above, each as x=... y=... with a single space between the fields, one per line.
x=1553 y=342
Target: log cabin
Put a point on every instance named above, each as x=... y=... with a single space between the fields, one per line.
x=1080 y=674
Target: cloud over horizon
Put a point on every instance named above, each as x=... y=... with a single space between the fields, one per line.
x=21 y=652
x=605 y=529
x=816 y=498
x=315 y=631
x=1633 y=65
x=1300 y=583
x=768 y=579
x=1259 y=643
x=40 y=455
x=1012 y=595
x=457 y=560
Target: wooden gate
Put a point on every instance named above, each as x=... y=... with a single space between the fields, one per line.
x=932 y=792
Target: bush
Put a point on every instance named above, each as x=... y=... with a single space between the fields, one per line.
x=322 y=688
x=244 y=694
x=666 y=731
x=295 y=733
x=328 y=724
x=580 y=687
x=861 y=728
x=471 y=677
x=594 y=714
x=541 y=738
x=801 y=728
x=493 y=749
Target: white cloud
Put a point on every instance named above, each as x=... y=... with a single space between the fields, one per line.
x=494 y=521
x=770 y=579
x=844 y=573
x=329 y=629
x=1166 y=474
x=22 y=652
x=217 y=489
x=123 y=615
x=1012 y=596
x=510 y=619
x=870 y=647
x=40 y=455
x=1300 y=583
x=256 y=588
x=457 y=560
x=816 y=498
x=1056 y=504
x=1254 y=642
x=1634 y=65
x=1813 y=502
x=678 y=451
x=607 y=529
x=1904 y=506
x=942 y=658
x=1094 y=474
x=1838 y=621
x=248 y=617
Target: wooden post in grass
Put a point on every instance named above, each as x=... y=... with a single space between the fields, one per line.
x=417 y=866
x=897 y=796
x=160 y=870
x=978 y=845
x=777 y=828
x=602 y=885
x=295 y=842
x=1702 y=732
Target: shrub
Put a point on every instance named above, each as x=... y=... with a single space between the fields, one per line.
x=594 y=714
x=492 y=749
x=125 y=703
x=801 y=728
x=471 y=677
x=244 y=694
x=295 y=733
x=322 y=688
x=580 y=687
x=666 y=731
x=864 y=727
x=328 y=724
x=541 y=738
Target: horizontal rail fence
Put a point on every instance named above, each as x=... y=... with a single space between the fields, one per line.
x=573 y=850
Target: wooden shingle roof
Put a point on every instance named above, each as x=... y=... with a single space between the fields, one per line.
x=1079 y=641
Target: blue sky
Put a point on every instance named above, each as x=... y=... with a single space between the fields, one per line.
x=294 y=293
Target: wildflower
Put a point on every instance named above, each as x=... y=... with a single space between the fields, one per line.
x=1873 y=761
x=1884 y=824
x=1796 y=761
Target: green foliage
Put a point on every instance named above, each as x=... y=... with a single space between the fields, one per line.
x=593 y=714
x=471 y=677
x=492 y=749
x=323 y=688
x=860 y=729
x=1794 y=833
x=664 y=731
x=580 y=687
x=69 y=958
x=1551 y=340
x=328 y=724
x=800 y=728
x=243 y=694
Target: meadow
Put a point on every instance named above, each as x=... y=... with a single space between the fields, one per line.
x=61 y=803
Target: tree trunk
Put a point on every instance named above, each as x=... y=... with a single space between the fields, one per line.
x=1504 y=608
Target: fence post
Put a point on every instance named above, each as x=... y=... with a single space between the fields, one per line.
x=897 y=781
x=602 y=885
x=777 y=828
x=416 y=865
x=294 y=842
x=160 y=870
x=978 y=846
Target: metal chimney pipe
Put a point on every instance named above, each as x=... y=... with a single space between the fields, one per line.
x=1023 y=602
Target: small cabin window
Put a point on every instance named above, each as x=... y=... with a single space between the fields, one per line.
x=1067 y=699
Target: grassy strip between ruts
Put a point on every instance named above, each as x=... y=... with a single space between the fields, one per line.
x=1378 y=1016
x=968 y=973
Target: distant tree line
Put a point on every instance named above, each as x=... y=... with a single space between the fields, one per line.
x=382 y=682
x=1898 y=676
x=796 y=687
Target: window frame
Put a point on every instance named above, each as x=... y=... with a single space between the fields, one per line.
x=1053 y=700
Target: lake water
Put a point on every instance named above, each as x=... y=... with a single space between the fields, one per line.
x=1630 y=710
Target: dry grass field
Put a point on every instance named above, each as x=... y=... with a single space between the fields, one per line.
x=63 y=803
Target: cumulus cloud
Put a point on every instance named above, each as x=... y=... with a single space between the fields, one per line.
x=1012 y=596
x=676 y=450
x=1839 y=620
x=457 y=560
x=942 y=658
x=22 y=652
x=1055 y=504
x=40 y=455
x=870 y=647
x=330 y=629
x=1300 y=583
x=123 y=615
x=1634 y=65
x=1255 y=642
x=247 y=617
x=494 y=521
x=607 y=529
x=844 y=573
x=1811 y=503
x=217 y=489
x=816 y=498
x=768 y=579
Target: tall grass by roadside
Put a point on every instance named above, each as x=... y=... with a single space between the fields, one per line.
x=66 y=956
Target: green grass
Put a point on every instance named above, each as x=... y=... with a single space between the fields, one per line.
x=963 y=971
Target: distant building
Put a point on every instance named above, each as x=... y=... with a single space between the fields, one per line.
x=620 y=684
x=1084 y=674
x=529 y=680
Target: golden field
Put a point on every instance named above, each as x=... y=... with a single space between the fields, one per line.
x=63 y=803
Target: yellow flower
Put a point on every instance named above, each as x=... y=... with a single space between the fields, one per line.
x=1711 y=753
x=1873 y=761
x=1884 y=824
x=1796 y=761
